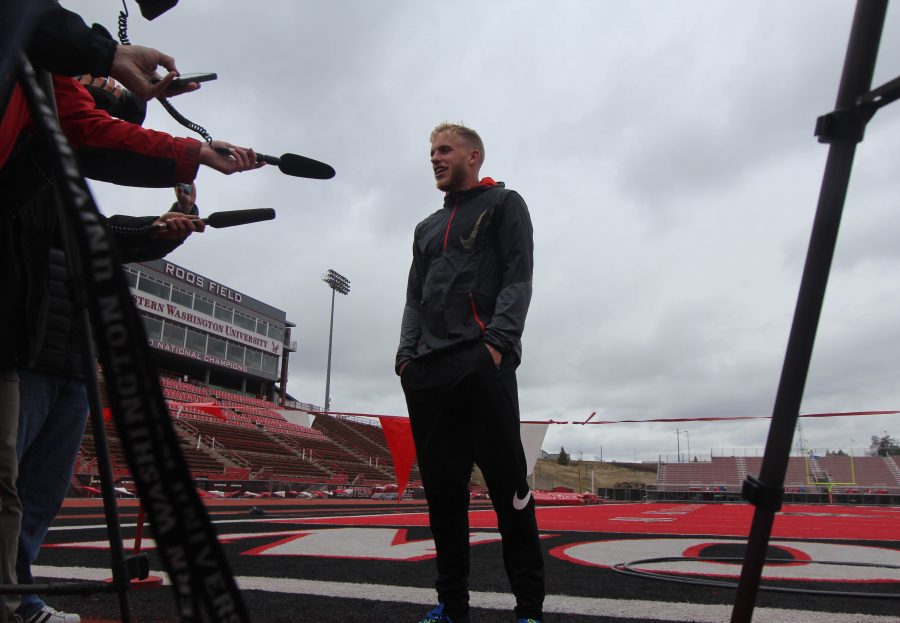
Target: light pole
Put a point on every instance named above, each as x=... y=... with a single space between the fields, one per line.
x=677 y=446
x=678 y=434
x=338 y=283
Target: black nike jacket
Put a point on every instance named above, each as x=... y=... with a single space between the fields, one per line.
x=471 y=274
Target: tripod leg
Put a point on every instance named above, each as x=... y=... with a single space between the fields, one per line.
x=78 y=292
x=766 y=492
x=2 y=560
x=120 y=574
x=121 y=578
x=10 y=506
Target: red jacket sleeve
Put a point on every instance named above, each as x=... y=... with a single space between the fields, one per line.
x=112 y=150
x=12 y=121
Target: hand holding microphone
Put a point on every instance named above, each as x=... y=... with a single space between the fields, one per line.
x=227 y=158
x=181 y=220
x=239 y=217
x=289 y=164
x=177 y=224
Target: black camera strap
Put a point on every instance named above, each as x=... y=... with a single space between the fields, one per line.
x=185 y=538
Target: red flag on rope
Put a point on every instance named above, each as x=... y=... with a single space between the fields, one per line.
x=209 y=408
x=398 y=435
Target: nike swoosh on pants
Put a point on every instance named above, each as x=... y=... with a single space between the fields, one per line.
x=521 y=503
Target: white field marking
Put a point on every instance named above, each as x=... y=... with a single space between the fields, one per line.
x=269 y=519
x=610 y=552
x=275 y=519
x=362 y=543
x=640 y=610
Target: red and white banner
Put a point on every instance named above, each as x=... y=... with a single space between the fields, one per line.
x=173 y=311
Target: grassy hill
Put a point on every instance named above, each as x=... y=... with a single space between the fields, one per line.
x=577 y=476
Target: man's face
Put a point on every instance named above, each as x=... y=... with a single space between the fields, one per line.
x=450 y=156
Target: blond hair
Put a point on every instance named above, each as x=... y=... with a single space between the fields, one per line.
x=467 y=134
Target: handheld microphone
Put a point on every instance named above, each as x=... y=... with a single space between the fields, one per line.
x=239 y=217
x=299 y=166
x=233 y=217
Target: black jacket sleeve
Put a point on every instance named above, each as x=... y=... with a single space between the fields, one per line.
x=410 y=325
x=133 y=236
x=515 y=251
x=63 y=44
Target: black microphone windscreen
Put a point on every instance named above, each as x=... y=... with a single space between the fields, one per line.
x=301 y=166
x=239 y=217
x=151 y=9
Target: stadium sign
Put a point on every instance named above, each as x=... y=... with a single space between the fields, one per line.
x=199 y=281
x=192 y=354
x=173 y=311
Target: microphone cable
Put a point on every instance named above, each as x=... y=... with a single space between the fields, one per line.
x=190 y=125
x=130 y=231
x=123 y=25
x=166 y=104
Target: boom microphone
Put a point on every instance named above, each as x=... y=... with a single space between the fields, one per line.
x=239 y=217
x=299 y=166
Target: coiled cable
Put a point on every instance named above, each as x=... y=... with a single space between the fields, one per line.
x=123 y=25
x=190 y=125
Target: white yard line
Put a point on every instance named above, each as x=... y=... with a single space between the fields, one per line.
x=637 y=609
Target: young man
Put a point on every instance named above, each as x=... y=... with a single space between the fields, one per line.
x=460 y=344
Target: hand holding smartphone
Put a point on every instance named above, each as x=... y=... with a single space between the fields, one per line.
x=179 y=84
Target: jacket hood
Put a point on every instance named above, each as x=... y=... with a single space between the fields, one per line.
x=486 y=183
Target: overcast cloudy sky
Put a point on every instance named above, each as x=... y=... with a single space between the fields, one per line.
x=665 y=150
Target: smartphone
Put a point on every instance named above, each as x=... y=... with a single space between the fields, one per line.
x=184 y=79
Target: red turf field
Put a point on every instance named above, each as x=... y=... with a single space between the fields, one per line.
x=349 y=560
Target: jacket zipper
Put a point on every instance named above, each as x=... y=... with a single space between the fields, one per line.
x=475 y=312
x=450 y=222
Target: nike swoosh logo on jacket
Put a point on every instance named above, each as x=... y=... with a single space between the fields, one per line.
x=471 y=274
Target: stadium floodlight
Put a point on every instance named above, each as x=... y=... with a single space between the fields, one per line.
x=338 y=283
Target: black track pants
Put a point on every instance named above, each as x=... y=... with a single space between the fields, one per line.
x=464 y=410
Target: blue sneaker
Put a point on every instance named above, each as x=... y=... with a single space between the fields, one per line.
x=528 y=621
x=437 y=616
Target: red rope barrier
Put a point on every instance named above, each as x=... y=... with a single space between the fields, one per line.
x=676 y=419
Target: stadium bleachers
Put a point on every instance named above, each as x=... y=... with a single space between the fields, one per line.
x=248 y=437
x=720 y=471
x=89 y=453
x=342 y=430
x=201 y=461
x=867 y=471
x=862 y=472
x=364 y=440
x=338 y=459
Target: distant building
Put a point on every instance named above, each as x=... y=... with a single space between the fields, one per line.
x=210 y=332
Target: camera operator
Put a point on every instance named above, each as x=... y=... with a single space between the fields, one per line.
x=54 y=407
x=107 y=149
